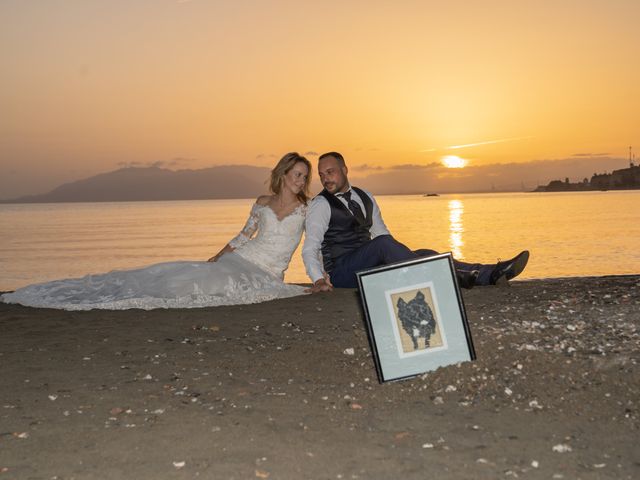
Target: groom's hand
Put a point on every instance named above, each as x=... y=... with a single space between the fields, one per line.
x=322 y=285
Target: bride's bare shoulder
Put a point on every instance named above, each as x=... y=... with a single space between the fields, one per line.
x=264 y=200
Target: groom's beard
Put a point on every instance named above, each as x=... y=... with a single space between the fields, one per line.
x=330 y=187
x=333 y=187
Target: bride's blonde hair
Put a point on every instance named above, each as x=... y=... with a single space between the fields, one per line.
x=283 y=167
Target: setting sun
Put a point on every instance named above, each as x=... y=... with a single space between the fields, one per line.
x=453 y=161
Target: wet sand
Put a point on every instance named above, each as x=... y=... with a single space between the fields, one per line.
x=271 y=391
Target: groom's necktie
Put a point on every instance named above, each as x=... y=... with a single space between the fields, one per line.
x=353 y=206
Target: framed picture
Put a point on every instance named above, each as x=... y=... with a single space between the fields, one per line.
x=415 y=316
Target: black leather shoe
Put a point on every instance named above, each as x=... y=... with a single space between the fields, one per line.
x=467 y=279
x=505 y=271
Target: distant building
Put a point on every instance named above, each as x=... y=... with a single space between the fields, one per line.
x=624 y=179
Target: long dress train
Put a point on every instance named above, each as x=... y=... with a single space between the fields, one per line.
x=252 y=273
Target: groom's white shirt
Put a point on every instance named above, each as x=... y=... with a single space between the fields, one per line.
x=317 y=223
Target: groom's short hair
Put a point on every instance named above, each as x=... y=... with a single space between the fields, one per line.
x=335 y=155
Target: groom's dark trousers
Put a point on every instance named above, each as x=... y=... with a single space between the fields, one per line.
x=385 y=249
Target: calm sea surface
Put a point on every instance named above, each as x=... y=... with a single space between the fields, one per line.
x=568 y=234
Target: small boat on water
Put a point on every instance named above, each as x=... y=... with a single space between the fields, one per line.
x=430 y=195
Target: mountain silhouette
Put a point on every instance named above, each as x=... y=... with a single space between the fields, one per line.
x=155 y=183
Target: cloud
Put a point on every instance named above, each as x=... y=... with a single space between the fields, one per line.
x=414 y=166
x=488 y=142
x=589 y=154
x=129 y=164
x=476 y=144
x=174 y=162
x=183 y=160
x=365 y=167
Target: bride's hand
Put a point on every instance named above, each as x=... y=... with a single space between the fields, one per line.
x=322 y=285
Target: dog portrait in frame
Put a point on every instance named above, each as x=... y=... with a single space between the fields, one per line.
x=415 y=318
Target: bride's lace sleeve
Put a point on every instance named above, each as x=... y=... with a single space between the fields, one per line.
x=249 y=229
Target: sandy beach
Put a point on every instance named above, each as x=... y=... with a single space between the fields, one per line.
x=271 y=391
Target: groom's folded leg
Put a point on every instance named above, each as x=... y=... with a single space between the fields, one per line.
x=381 y=250
x=465 y=269
x=425 y=252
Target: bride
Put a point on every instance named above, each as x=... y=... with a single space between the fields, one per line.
x=249 y=269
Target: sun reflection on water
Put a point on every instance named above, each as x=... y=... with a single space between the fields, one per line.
x=456 y=228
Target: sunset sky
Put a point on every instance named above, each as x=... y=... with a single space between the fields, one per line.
x=91 y=86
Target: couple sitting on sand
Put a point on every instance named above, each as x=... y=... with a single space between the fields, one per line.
x=345 y=233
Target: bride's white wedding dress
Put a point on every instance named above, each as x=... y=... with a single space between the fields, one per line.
x=252 y=273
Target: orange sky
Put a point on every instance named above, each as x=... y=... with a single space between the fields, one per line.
x=90 y=85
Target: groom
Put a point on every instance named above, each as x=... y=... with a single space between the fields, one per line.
x=345 y=233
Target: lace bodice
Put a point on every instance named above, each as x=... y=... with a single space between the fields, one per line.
x=268 y=241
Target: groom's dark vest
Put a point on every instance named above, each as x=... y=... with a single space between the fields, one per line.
x=345 y=233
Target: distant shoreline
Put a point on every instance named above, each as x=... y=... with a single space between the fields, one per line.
x=569 y=188
x=421 y=194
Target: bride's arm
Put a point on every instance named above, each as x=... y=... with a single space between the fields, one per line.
x=249 y=229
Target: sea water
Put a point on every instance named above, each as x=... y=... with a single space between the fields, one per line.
x=568 y=234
